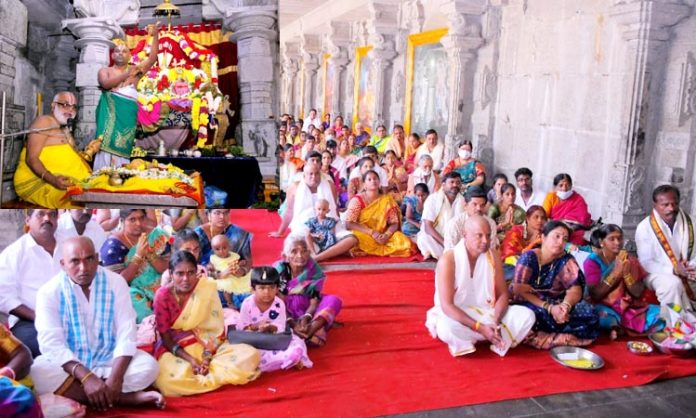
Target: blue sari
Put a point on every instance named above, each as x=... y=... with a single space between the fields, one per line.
x=240 y=243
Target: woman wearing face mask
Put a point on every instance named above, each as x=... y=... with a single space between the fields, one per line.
x=565 y=204
x=424 y=174
x=472 y=171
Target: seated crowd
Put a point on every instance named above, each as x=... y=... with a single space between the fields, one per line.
x=124 y=307
x=388 y=195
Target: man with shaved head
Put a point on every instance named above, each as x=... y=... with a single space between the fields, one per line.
x=86 y=331
x=299 y=208
x=471 y=298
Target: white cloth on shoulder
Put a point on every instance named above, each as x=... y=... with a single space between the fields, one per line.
x=437 y=209
x=475 y=295
x=303 y=209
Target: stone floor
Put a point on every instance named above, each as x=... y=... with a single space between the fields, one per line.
x=670 y=398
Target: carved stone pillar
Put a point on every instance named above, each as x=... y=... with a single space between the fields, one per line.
x=94 y=41
x=310 y=49
x=461 y=44
x=62 y=71
x=382 y=31
x=645 y=29
x=338 y=41
x=291 y=82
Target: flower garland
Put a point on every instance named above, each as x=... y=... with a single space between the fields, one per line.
x=167 y=172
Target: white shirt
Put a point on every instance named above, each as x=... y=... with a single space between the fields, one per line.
x=339 y=163
x=316 y=122
x=24 y=267
x=435 y=204
x=437 y=154
x=66 y=229
x=383 y=178
x=534 y=199
x=650 y=253
x=49 y=324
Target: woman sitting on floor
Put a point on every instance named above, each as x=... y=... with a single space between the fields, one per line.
x=396 y=175
x=472 y=171
x=424 y=174
x=549 y=282
x=16 y=400
x=414 y=210
x=355 y=185
x=505 y=212
x=565 y=204
x=329 y=170
x=375 y=219
x=311 y=313
x=192 y=350
x=139 y=257
x=521 y=238
x=412 y=144
x=615 y=281
x=240 y=240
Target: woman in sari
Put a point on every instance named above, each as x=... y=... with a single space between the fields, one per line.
x=240 y=240
x=139 y=257
x=615 y=282
x=396 y=175
x=329 y=170
x=565 y=204
x=472 y=171
x=414 y=210
x=505 y=212
x=16 y=400
x=549 y=282
x=521 y=238
x=375 y=219
x=192 y=351
x=412 y=144
x=311 y=313
x=355 y=185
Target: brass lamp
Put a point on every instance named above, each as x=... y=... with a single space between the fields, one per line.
x=167 y=9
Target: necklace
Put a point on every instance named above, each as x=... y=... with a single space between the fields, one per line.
x=126 y=238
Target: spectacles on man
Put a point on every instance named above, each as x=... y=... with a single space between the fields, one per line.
x=66 y=105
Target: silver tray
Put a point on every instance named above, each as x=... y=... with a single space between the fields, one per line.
x=658 y=338
x=565 y=353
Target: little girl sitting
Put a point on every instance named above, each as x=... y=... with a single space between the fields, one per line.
x=321 y=232
x=264 y=311
x=233 y=289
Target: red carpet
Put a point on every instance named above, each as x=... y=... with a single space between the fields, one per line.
x=266 y=250
x=384 y=362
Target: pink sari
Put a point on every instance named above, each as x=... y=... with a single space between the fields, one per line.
x=572 y=209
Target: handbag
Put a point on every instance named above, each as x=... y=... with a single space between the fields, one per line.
x=260 y=340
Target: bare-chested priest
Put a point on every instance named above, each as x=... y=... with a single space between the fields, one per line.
x=118 y=105
x=50 y=162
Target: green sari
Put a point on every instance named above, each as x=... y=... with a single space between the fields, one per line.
x=116 y=122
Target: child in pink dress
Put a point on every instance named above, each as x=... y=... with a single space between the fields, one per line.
x=264 y=311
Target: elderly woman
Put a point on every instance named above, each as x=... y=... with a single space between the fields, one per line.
x=240 y=240
x=549 y=282
x=311 y=313
x=16 y=400
x=424 y=174
x=615 y=281
x=565 y=204
x=472 y=171
x=521 y=238
x=375 y=219
x=192 y=351
x=505 y=212
x=137 y=256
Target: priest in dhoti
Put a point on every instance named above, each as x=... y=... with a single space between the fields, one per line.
x=118 y=105
x=438 y=209
x=665 y=241
x=50 y=162
x=471 y=298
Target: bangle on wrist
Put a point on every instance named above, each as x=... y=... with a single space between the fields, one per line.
x=85 y=377
x=74 y=367
x=44 y=174
x=567 y=305
x=306 y=315
x=477 y=326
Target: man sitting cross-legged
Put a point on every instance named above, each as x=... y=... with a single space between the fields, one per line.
x=86 y=332
x=438 y=209
x=471 y=298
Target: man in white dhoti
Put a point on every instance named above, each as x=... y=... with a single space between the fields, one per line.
x=299 y=208
x=438 y=209
x=665 y=241
x=86 y=331
x=471 y=298
x=475 y=203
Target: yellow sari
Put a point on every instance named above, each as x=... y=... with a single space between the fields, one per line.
x=376 y=216
x=58 y=159
x=230 y=364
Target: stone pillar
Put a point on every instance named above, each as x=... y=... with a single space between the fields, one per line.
x=13 y=35
x=62 y=69
x=382 y=31
x=645 y=30
x=94 y=41
x=311 y=61
x=338 y=41
x=254 y=30
x=461 y=44
x=291 y=83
